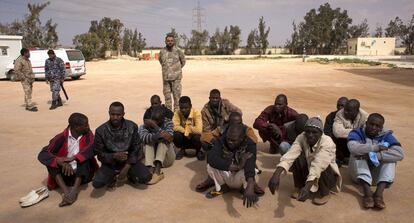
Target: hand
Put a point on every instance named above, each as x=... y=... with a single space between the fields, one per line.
x=275 y=129
x=120 y=156
x=47 y=82
x=234 y=168
x=382 y=148
x=244 y=159
x=167 y=136
x=123 y=174
x=150 y=123
x=250 y=197
x=67 y=169
x=305 y=191
x=61 y=81
x=62 y=160
x=275 y=180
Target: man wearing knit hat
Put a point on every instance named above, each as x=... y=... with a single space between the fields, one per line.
x=311 y=159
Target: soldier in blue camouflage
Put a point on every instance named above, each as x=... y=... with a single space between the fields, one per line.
x=172 y=61
x=55 y=75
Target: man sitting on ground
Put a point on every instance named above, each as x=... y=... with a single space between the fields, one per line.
x=374 y=154
x=117 y=146
x=215 y=114
x=347 y=119
x=231 y=164
x=293 y=129
x=329 y=121
x=270 y=122
x=156 y=102
x=311 y=159
x=69 y=158
x=187 y=129
x=157 y=137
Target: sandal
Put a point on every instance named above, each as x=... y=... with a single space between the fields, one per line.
x=213 y=193
x=205 y=185
x=379 y=202
x=368 y=202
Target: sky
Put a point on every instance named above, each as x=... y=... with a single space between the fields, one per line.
x=154 y=18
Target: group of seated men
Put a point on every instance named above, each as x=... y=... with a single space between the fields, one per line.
x=311 y=151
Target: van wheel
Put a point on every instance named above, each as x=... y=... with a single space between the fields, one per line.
x=12 y=76
x=75 y=78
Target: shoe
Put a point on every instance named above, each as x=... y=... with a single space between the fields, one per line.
x=156 y=178
x=32 y=193
x=179 y=155
x=54 y=105
x=201 y=155
x=34 y=198
x=295 y=193
x=33 y=109
x=321 y=200
x=59 y=102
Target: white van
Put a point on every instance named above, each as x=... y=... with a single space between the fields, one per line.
x=10 y=47
x=73 y=59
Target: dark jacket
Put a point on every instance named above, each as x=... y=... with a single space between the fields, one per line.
x=167 y=113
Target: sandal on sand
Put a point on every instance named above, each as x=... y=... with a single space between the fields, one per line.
x=156 y=178
x=379 y=202
x=368 y=202
x=205 y=185
x=213 y=193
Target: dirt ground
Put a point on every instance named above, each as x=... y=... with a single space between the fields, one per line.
x=250 y=84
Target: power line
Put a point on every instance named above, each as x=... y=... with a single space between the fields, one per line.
x=198 y=15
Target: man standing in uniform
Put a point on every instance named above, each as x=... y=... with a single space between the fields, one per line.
x=172 y=60
x=23 y=69
x=55 y=75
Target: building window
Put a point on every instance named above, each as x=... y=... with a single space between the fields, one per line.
x=3 y=51
x=384 y=41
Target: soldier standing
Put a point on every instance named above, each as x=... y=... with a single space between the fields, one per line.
x=172 y=61
x=55 y=75
x=23 y=69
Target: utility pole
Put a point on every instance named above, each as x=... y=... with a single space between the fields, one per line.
x=198 y=14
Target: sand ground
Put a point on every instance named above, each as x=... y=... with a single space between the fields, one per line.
x=249 y=84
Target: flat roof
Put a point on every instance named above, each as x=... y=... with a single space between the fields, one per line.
x=11 y=37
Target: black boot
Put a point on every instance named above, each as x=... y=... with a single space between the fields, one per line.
x=54 y=105
x=59 y=102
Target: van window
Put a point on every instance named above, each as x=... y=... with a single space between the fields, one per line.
x=3 y=51
x=74 y=55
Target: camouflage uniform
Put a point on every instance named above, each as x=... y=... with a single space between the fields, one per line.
x=171 y=63
x=24 y=72
x=55 y=73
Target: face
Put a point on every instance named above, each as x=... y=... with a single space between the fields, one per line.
x=155 y=102
x=83 y=129
x=374 y=126
x=116 y=115
x=341 y=104
x=312 y=135
x=233 y=140
x=280 y=104
x=235 y=120
x=27 y=54
x=52 y=56
x=350 y=113
x=185 y=109
x=169 y=41
x=215 y=100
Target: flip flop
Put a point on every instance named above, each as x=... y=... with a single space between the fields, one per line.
x=213 y=193
x=156 y=178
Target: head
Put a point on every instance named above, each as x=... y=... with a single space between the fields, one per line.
x=235 y=136
x=25 y=52
x=281 y=103
x=374 y=125
x=300 y=123
x=116 y=114
x=235 y=118
x=340 y=104
x=51 y=54
x=215 y=98
x=185 y=105
x=78 y=123
x=351 y=109
x=155 y=101
x=157 y=115
x=169 y=40
x=313 y=130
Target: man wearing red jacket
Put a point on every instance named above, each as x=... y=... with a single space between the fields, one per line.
x=69 y=158
x=270 y=122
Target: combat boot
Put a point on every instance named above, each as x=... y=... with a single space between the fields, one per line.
x=59 y=102
x=54 y=105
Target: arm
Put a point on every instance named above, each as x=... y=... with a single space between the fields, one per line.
x=338 y=128
x=358 y=149
x=206 y=123
x=321 y=161
x=328 y=125
x=262 y=122
x=177 y=123
x=62 y=69
x=249 y=167
x=18 y=68
x=216 y=159
x=393 y=154
x=47 y=156
x=160 y=57
x=294 y=152
x=135 y=147
x=198 y=124
x=47 y=71
x=86 y=153
x=182 y=58
x=148 y=137
x=99 y=149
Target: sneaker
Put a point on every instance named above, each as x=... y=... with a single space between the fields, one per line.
x=33 y=109
x=295 y=193
x=179 y=155
x=201 y=155
x=321 y=200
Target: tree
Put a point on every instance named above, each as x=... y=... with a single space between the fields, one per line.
x=234 y=38
x=361 y=30
x=403 y=32
x=213 y=45
x=126 y=42
x=34 y=34
x=198 y=42
x=379 y=32
x=137 y=43
x=251 y=42
x=89 y=44
x=261 y=40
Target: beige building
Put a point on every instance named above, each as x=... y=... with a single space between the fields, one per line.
x=371 y=46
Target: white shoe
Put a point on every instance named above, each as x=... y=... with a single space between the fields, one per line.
x=34 y=197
